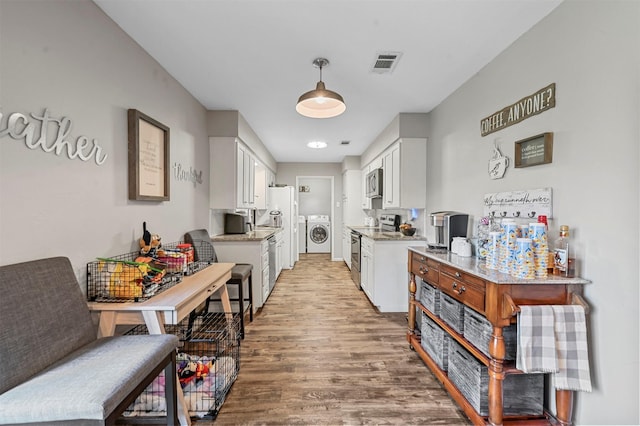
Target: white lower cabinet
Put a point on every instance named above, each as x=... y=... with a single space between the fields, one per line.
x=366 y=268
x=255 y=253
x=346 y=246
x=383 y=273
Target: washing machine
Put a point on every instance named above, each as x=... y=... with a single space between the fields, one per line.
x=318 y=234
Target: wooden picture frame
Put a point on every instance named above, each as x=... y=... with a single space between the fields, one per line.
x=534 y=151
x=148 y=158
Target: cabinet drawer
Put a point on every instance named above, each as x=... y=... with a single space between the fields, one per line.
x=425 y=268
x=468 y=292
x=462 y=276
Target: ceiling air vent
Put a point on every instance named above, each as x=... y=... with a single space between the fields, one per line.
x=386 y=62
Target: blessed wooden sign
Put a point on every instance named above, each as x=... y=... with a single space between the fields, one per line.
x=526 y=107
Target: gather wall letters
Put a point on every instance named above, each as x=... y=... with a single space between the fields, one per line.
x=35 y=132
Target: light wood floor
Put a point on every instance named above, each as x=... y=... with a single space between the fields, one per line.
x=319 y=354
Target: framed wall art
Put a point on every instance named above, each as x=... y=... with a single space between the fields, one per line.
x=534 y=150
x=148 y=158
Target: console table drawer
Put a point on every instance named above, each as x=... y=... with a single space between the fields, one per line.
x=462 y=276
x=426 y=269
x=467 y=292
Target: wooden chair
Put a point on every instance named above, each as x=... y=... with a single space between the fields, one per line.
x=241 y=272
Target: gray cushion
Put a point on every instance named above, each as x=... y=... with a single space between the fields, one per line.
x=43 y=317
x=87 y=384
x=241 y=271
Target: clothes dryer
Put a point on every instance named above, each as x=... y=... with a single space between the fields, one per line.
x=318 y=234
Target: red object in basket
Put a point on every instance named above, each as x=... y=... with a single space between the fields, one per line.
x=187 y=250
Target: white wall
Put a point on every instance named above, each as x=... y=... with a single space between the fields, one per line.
x=591 y=50
x=69 y=57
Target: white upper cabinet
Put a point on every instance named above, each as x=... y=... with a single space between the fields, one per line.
x=405 y=174
x=232 y=174
x=391 y=177
x=366 y=201
x=260 y=190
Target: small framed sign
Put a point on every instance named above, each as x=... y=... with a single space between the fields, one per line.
x=534 y=150
x=148 y=158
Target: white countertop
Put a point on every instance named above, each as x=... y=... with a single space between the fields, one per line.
x=475 y=266
x=261 y=233
x=374 y=233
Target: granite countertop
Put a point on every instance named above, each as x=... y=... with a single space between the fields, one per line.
x=475 y=266
x=261 y=233
x=374 y=233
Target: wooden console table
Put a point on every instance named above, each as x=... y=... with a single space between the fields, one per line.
x=497 y=297
x=169 y=307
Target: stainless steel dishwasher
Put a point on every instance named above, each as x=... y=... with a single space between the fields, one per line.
x=272 y=262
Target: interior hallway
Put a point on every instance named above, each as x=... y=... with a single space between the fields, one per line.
x=320 y=354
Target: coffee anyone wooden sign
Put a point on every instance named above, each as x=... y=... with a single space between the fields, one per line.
x=526 y=107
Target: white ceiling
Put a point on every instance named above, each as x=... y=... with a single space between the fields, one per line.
x=255 y=56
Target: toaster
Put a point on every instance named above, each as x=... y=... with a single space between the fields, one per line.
x=234 y=223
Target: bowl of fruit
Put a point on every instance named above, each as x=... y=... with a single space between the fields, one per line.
x=407 y=229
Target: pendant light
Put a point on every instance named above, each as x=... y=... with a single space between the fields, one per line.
x=320 y=103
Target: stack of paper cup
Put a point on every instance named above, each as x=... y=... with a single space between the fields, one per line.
x=523 y=231
x=525 y=265
x=538 y=235
x=493 y=250
x=508 y=246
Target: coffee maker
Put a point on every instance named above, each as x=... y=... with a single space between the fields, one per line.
x=448 y=224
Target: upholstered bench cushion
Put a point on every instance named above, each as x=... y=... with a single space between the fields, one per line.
x=88 y=383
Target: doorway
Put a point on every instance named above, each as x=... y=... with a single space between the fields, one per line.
x=315 y=196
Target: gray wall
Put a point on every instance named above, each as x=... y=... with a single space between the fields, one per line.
x=287 y=173
x=69 y=57
x=318 y=199
x=591 y=51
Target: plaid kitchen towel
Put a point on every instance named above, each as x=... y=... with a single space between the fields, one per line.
x=571 y=346
x=553 y=339
x=536 y=340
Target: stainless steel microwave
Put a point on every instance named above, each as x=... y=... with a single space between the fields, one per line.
x=374 y=183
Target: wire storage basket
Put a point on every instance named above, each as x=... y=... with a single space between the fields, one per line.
x=133 y=277
x=208 y=363
x=128 y=277
x=200 y=254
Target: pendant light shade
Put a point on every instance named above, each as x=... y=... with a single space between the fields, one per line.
x=320 y=103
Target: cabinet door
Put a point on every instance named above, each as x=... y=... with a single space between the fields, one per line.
x=367 y=279
x=260 y=186
x=346 y=246
x=366 y=271
x=366 y=201
x=391 y=177
x=248 y=185
x=240 y=197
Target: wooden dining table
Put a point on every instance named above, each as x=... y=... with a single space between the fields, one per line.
x=168 y=308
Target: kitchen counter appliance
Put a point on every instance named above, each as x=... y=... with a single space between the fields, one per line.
x=448 y=225
x=275 y=218
x=235 y=223
x=272 y=262
x=355 y=258
x=374 y=183
x=390 y=223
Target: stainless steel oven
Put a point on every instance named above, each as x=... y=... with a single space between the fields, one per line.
x=355 y=258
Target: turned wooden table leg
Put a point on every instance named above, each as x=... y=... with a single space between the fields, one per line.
x=564 y=406
x=412 y=308
x=496 y=376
